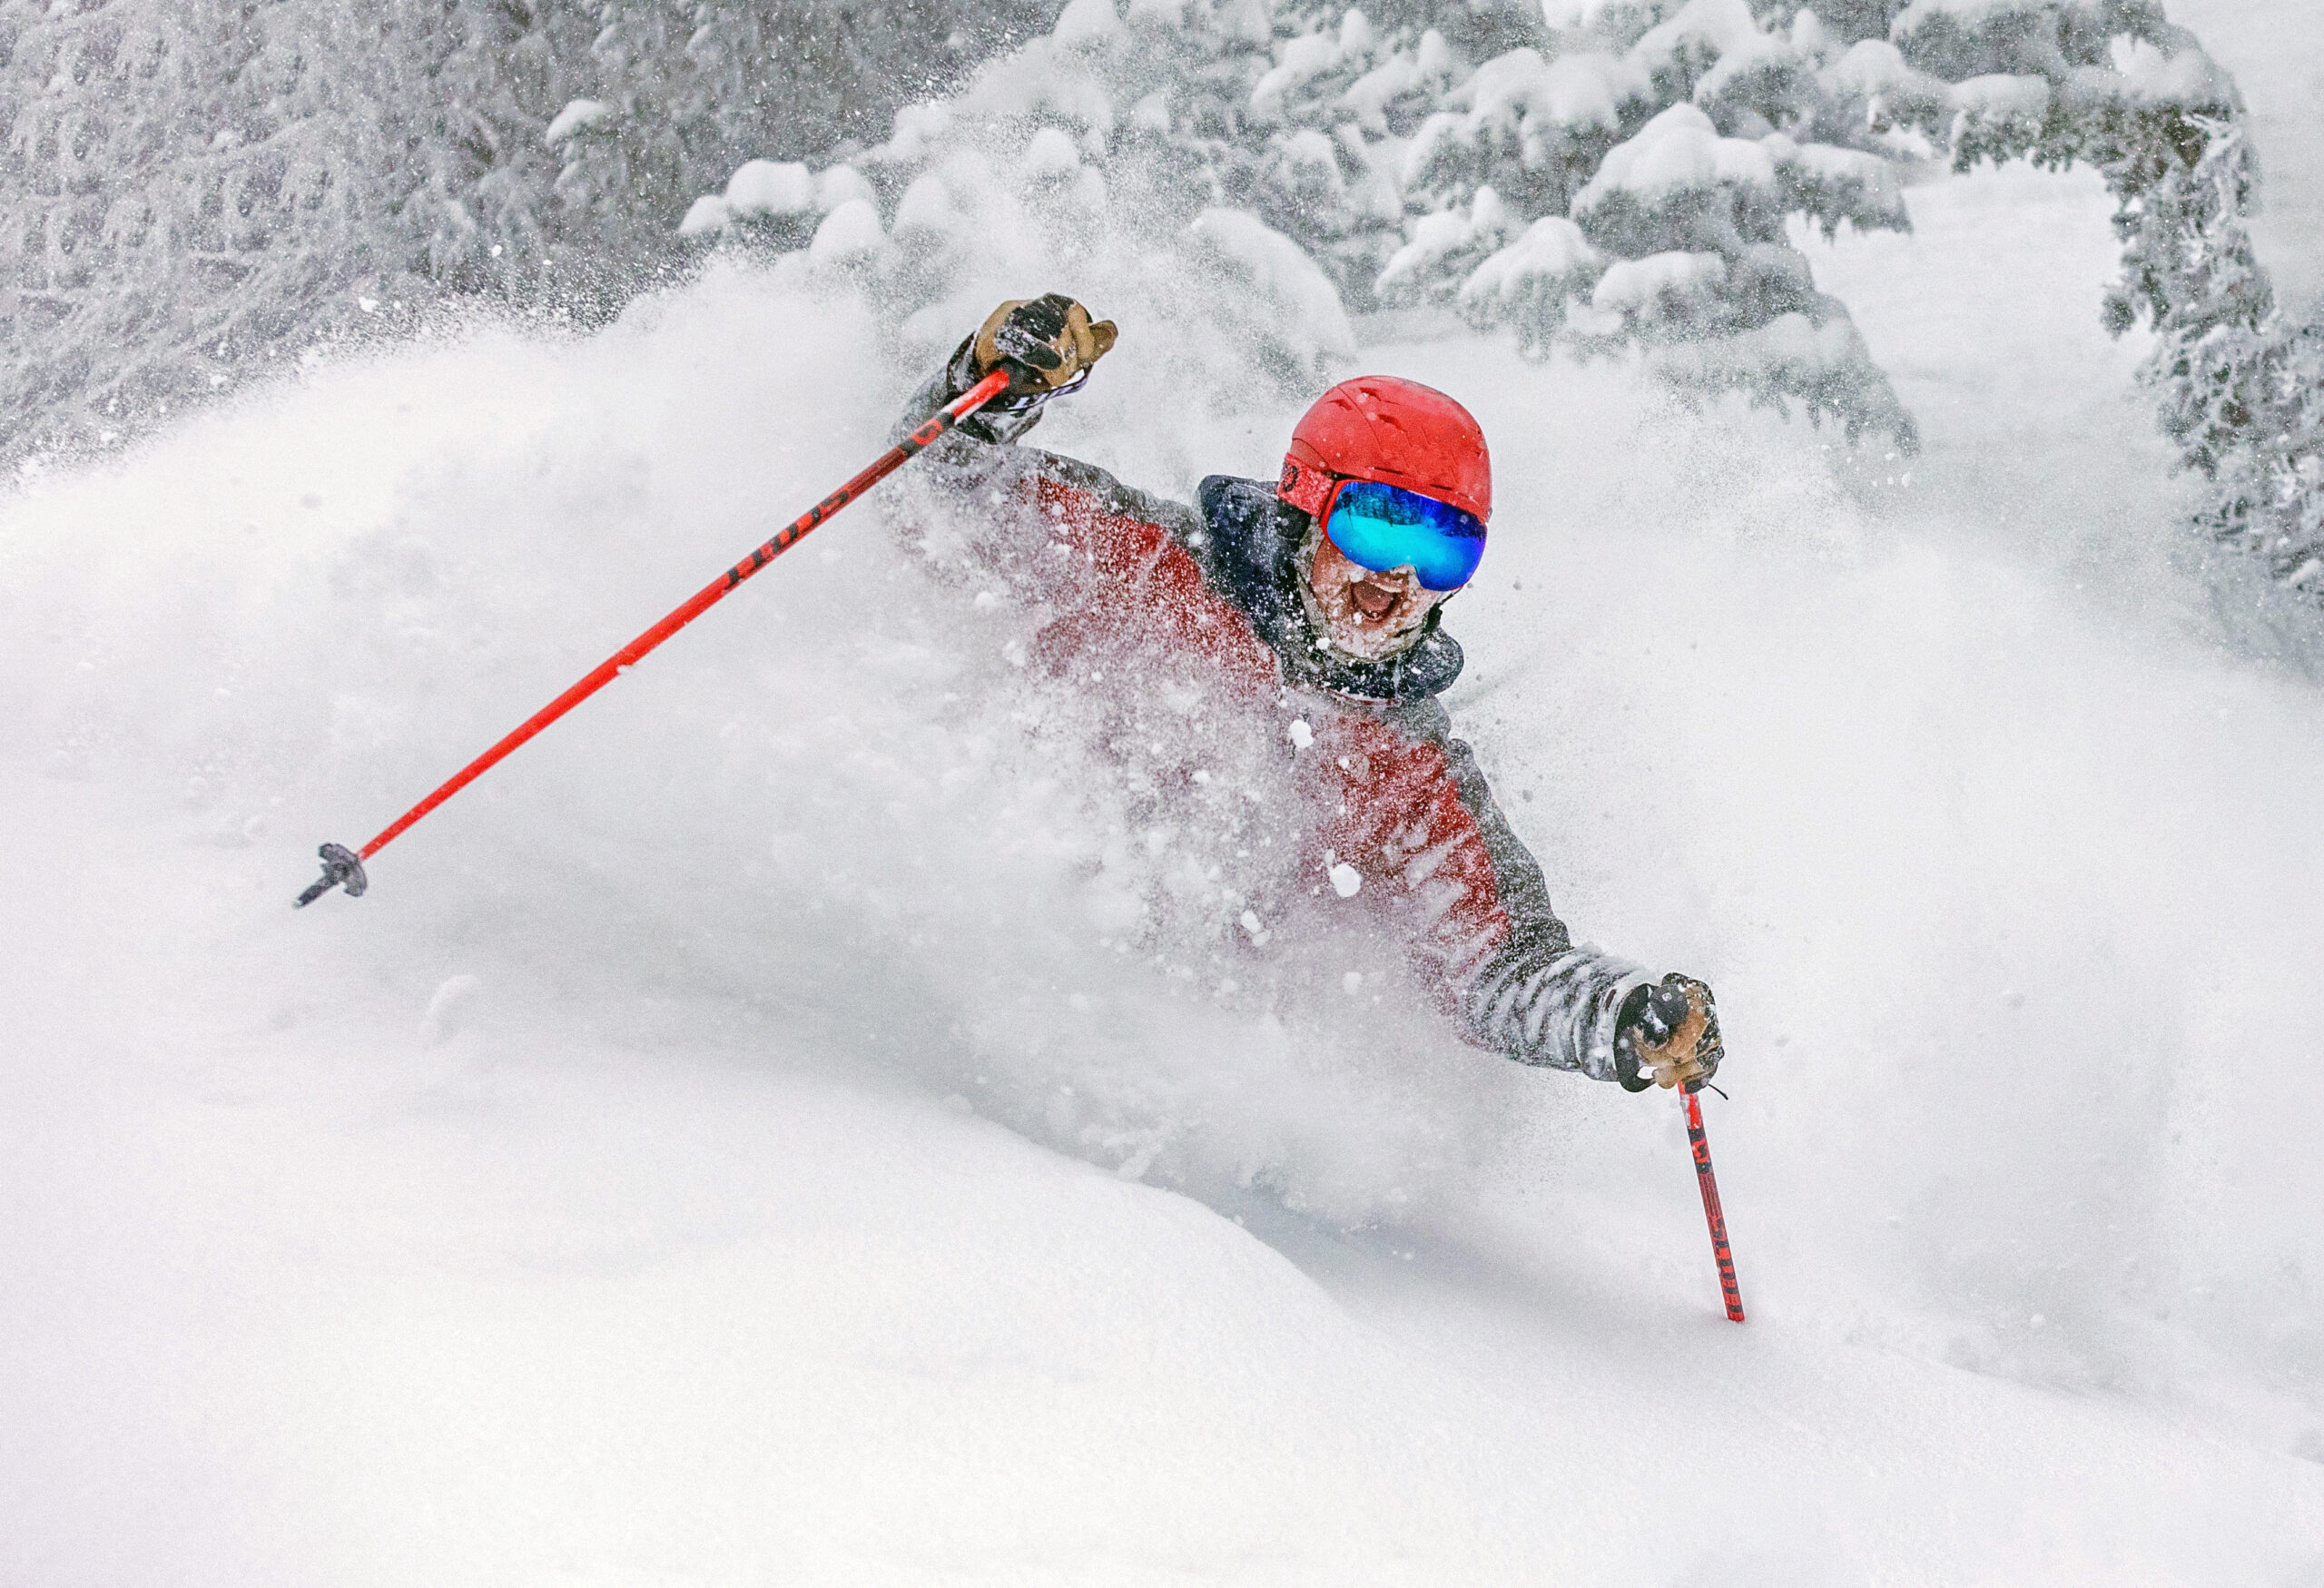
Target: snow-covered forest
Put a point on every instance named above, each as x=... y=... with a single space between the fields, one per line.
x=1601 y=175
x=804 y=1117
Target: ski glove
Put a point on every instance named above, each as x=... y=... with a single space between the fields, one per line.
x=1667 y=1036
x=1048 y=342
x=1048 y=346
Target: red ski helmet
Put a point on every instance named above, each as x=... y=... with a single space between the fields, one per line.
x=1395 y=432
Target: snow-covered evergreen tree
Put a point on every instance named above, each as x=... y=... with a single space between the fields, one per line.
x=685 y=91
x=185 y=183
x=189 y=189
x=193 y=188
x=2113 y=83
x=2271 y=499
x=196 y=188
x=1634 y=187
x=2242 y=385
x=496 y=70
x=1111 y=150
x=1592 y=196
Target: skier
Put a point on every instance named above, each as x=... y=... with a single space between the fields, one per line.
x=1322 y=596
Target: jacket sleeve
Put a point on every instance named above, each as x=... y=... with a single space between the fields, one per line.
x=1005 y=419
x=1536 y=997
x=1069 y=498
x=1542 y=1004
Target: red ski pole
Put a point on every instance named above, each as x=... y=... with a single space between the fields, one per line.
x=345 y=867
x=1709 y=1183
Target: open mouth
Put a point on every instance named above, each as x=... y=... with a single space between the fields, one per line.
x=1373 y=600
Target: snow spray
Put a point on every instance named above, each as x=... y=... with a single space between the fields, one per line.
x=344 y=867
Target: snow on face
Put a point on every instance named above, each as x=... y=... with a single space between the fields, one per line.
x=1365 y=614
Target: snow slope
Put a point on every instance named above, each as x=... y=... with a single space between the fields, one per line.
x=730 y=1144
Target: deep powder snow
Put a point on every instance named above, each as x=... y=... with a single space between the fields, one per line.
x=790 y=1121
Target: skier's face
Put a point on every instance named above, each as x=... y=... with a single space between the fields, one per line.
x=1370 y=615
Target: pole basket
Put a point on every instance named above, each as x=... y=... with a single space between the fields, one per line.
x=342 y=867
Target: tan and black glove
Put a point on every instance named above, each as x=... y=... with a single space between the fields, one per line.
x=1667 y=1036
x=1048 y=342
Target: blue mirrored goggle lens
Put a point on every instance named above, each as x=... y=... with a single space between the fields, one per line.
x=1383 y=526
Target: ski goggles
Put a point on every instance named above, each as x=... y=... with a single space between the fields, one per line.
x=1385 y=527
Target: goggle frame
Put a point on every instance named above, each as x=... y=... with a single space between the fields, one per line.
x=1317 y=491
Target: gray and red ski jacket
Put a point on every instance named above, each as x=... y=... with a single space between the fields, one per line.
x=1402 y=802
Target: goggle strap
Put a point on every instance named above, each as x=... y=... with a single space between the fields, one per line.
x=1307 y=488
